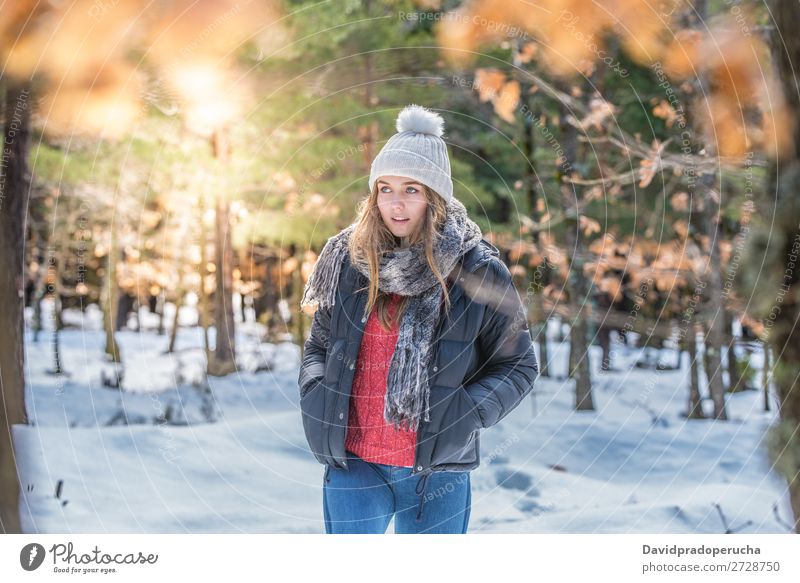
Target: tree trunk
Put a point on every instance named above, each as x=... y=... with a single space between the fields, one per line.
x=13 y=204
x=223 y=305
x=713 y=293
x=765 y=375
x=736 y=379
x=577 y=285
x=581 y=373
x=204 y=309
x=111 y=301
x=604 y=337
x=271 y=295
x=161 y=302
x=540 y=331
x=173 y=335
x=695 y=401
x=539 y=317
x=39 y=293
x=707 y=223
x=225 y=345
x=785 y=336
x=126 y=304
x=58 y=320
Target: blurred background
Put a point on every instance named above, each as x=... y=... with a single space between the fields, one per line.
x=170 y=171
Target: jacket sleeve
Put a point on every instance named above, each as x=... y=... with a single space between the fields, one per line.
x=313 y=366
x=505 y=343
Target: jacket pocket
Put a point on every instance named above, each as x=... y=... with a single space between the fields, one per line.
x=452 y=361
x=456 y=425
x=312 y=410
x=305 y=389
x=472 y=405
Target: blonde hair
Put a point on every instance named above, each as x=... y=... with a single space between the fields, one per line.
x=371 y=238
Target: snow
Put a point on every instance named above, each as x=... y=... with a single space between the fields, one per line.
x=165 y=454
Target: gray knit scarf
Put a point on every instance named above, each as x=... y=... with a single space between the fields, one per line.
x=403 y=271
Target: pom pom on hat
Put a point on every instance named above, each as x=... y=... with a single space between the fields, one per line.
x=417 y=151
x=415 y=118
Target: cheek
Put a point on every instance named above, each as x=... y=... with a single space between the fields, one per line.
x=419 y=210
x=384 y=207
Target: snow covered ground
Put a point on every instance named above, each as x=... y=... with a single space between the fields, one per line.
x=163 y=455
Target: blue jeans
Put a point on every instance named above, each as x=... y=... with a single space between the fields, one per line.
x=363 y=499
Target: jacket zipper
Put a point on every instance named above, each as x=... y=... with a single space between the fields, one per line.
x=338 y=400
x=339 y=392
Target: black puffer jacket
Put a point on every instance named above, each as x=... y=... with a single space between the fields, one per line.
x=482 y=366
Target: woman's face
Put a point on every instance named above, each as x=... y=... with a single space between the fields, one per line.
x=403 y=204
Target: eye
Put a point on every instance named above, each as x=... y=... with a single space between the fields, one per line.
x=409 y=189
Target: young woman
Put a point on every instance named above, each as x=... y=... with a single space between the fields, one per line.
x=418 y=342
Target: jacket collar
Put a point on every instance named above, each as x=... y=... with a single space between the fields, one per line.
x=479 y=255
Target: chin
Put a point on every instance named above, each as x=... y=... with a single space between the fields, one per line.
x=397 y=231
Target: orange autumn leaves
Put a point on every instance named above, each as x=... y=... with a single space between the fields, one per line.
x=97 y=62
x=741 y=110
x=492 y=85
x=651 y=269
x=571 y=29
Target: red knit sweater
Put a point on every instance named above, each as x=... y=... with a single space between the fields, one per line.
x=368 y=435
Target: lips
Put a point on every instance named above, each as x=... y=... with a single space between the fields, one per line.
x=396 y=220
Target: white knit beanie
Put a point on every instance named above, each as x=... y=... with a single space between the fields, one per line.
x=417 y=151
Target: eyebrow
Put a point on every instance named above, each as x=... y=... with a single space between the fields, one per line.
x=404 y=183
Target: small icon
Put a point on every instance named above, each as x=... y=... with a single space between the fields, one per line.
x=31 y=556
